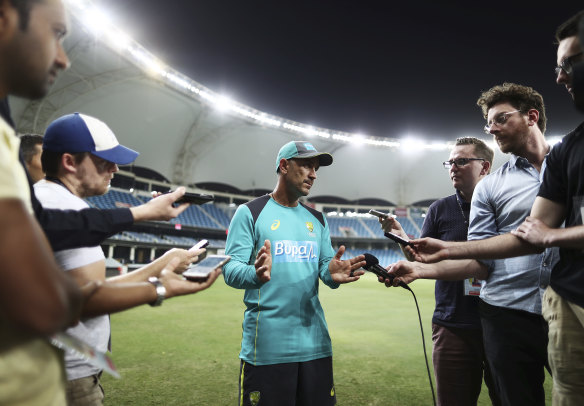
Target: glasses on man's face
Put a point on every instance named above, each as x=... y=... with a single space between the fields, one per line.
x=567 y=64
x=459 y=162
x=499 y=119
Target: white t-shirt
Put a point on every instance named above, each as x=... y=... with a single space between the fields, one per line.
x=95 y=330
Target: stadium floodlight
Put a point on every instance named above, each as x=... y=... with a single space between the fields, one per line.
x=410 y=145
x=97 y=21
x=103 y=28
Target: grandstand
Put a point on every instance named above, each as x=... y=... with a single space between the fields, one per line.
x=190 y=135
x=350 y=226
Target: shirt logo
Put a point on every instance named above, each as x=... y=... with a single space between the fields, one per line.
x=310 y=226
x=275 y=225
x=254 y=398
x=295 y=251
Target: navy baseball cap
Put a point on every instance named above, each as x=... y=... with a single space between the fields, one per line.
x=78 y=132
x=303 y=149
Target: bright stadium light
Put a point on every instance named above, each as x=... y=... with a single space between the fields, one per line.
x=102 y=27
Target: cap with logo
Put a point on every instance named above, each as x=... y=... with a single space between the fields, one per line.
x=303 y=149
x=78 y=132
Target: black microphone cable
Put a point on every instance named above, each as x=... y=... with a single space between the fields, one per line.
x=424 y=347
x=372 y=265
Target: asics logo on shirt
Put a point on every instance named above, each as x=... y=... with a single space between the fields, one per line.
x=295 y=251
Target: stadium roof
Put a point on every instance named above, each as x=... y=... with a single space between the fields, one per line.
x=190 y=135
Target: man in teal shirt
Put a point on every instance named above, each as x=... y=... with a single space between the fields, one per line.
x=279 y=250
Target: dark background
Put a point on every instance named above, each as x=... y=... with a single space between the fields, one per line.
x=382 y=68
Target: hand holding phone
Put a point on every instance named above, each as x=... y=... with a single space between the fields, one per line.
x=398 y=239
x=378 y=214
x=199 y=245
x=200 y=272
x=194 y=198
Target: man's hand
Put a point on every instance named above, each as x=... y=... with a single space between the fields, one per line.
x=345 y=271
x=428 y=250
x=160 y=207
x=391 y=225
x=263 y=262
x=403 y=271
x=176 y=285
x=534 y=231
x=185 y=257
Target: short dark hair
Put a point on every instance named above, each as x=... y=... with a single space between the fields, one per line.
x=27 y=145
x=523 y=98
x=481 y=149
x=50 y=161
x=23 y=7
x=569 y=28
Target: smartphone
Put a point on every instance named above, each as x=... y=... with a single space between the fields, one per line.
x=398 y=239
x=378 y=214
x=199 y=245
x=194 y=198
x=200 y=272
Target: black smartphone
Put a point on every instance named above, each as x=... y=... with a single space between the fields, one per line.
x=398 y=239
x=195 y=198
x=200 y=272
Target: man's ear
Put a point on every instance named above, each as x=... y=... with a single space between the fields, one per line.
x=486 y=168
x=284 y=165
x=533 y=116
x=68 y=163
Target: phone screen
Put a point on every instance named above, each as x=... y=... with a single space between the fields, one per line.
x=206 y=266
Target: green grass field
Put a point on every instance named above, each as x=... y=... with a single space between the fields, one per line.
x=186 y=351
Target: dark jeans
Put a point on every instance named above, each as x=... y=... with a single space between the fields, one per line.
x=516 y=349
x=459 y=364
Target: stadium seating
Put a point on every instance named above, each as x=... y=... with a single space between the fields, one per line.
x=217 y=217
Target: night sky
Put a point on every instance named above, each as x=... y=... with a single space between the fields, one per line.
x=382 y=68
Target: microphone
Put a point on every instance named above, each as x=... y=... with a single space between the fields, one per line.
x=372 y=265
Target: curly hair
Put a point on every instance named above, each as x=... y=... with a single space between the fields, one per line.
x=523 y=98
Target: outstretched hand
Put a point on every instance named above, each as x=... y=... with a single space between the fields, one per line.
x=186 y=257
x=263 y=262
x=428 y=250
x=402 y=271
x=390 y=225
x=161 y=207
x=345 y=271
x=177 y=285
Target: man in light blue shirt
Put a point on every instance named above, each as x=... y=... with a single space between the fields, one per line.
x=514 y=332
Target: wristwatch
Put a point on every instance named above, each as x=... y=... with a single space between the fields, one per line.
x=160 y=291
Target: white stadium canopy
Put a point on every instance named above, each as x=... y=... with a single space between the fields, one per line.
x=192 y=135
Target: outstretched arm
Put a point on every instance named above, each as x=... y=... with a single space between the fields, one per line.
x=407 y=272
x=345 y=271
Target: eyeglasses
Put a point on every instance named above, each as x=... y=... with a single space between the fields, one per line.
x=499 y=119
x=459 y=162
x=567 y=64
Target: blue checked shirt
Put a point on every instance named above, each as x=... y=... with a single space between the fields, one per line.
x=500 y=203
